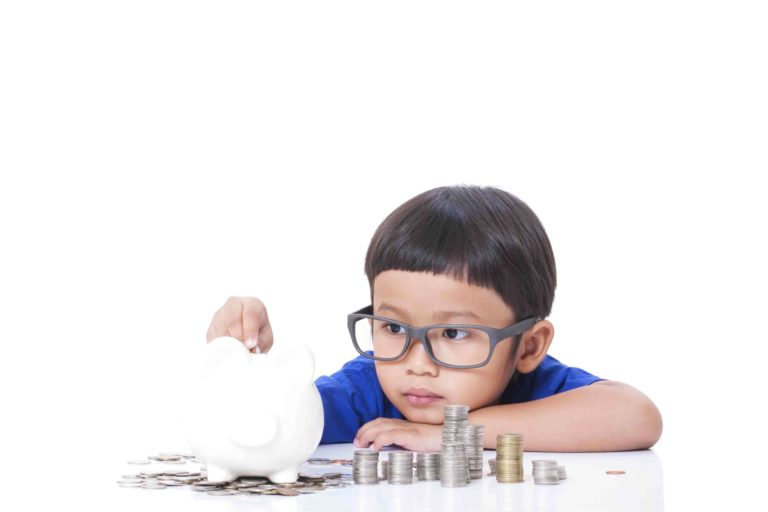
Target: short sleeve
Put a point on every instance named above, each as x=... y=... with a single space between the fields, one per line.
x=352 y=397
x=549 y=378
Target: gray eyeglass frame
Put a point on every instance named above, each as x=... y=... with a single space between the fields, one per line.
x=495 y=335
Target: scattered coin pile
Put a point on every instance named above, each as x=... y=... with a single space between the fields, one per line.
x=508 y=465
x=472 y=437
x=545 y=472
x=198 y=480
x=365 y=466
x=400 y=467
x=428 y=465
x=453 y=464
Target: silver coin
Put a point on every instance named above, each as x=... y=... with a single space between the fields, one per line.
x=222 y=492
x=400 y=467
x=152 y=485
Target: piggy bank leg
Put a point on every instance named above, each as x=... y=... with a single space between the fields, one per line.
x=217 y=474
x=284 y=476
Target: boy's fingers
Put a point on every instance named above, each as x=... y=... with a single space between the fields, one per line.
x=265 y=337
x=252 y=321
x=256 y=324
x=368 y=432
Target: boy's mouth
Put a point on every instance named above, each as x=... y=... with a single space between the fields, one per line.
x=421 y=396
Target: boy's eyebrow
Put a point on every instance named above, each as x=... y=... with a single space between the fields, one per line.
x=440 y=314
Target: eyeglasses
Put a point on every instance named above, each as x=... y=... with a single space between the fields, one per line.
x=449 y=345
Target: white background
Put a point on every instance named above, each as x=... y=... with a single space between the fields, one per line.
x=158 y=157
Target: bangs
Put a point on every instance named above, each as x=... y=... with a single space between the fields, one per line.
x=482 y=236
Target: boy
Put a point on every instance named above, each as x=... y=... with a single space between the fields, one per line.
x=475 y=264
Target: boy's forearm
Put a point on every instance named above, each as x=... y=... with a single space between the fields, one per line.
x=604 y=416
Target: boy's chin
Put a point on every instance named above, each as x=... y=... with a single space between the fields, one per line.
x=431 y=416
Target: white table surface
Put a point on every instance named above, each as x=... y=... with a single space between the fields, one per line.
x=587 y=487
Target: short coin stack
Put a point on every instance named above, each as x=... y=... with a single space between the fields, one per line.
x=365 y=466
x=453 y=464
x=472 y=437
x=428 y=466
x=509 y=458
x=400 y=467
x=561 y=473
x=384 y=470
x=545 y=472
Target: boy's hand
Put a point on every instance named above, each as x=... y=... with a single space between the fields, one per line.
x=418 y=437
x=244 y=318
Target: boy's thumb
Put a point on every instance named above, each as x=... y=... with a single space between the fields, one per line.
x=251 y=343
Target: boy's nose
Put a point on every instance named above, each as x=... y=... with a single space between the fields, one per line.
x=417 y=360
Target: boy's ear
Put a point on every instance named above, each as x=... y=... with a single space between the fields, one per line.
x=534 y=345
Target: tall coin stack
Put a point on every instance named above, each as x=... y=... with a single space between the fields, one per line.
x=453 y=464
x=509 y=458
x=365 y=468
x=472 y=437
x=428 y=466
x=400 y=467
x=455 y=417
x=545 y=472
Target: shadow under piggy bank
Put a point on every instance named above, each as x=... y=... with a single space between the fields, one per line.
x=253 y=414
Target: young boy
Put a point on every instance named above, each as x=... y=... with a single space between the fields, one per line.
x=475 y=264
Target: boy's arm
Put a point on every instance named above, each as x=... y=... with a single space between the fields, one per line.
x=604 y=416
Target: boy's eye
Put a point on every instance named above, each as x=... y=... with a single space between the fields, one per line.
x=394 y=328
x=455 y=334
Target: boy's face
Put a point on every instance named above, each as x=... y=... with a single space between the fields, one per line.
x=420 y=297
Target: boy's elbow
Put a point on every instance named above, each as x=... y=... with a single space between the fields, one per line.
x=649 y=425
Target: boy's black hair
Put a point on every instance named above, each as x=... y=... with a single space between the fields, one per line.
x=482 y=235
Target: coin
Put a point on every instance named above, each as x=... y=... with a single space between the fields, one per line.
x=287 y=492
x=615 y=472
x=365 y=466
x=453 y=464
x=545 y=472
x=454 y=417
x=472 y=437
x=152 y=485
x=508 y=465
x=400 y=467
x=428 y=465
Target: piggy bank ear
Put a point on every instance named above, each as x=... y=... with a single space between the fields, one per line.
x=224 y=351
x=298 y=362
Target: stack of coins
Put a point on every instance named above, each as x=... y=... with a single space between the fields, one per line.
x=472 y=437
x=455 y=417
x=400 y=467
x=453 y=464
x=492 y=465
x=384 y=470
x=509 y=458
x=365 y=466
x=428 y=466
x=561 y=472
x=545 y=472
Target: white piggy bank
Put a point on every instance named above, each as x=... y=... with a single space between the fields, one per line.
x=254 y=414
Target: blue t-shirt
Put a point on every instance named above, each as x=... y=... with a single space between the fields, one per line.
x=352 y=396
